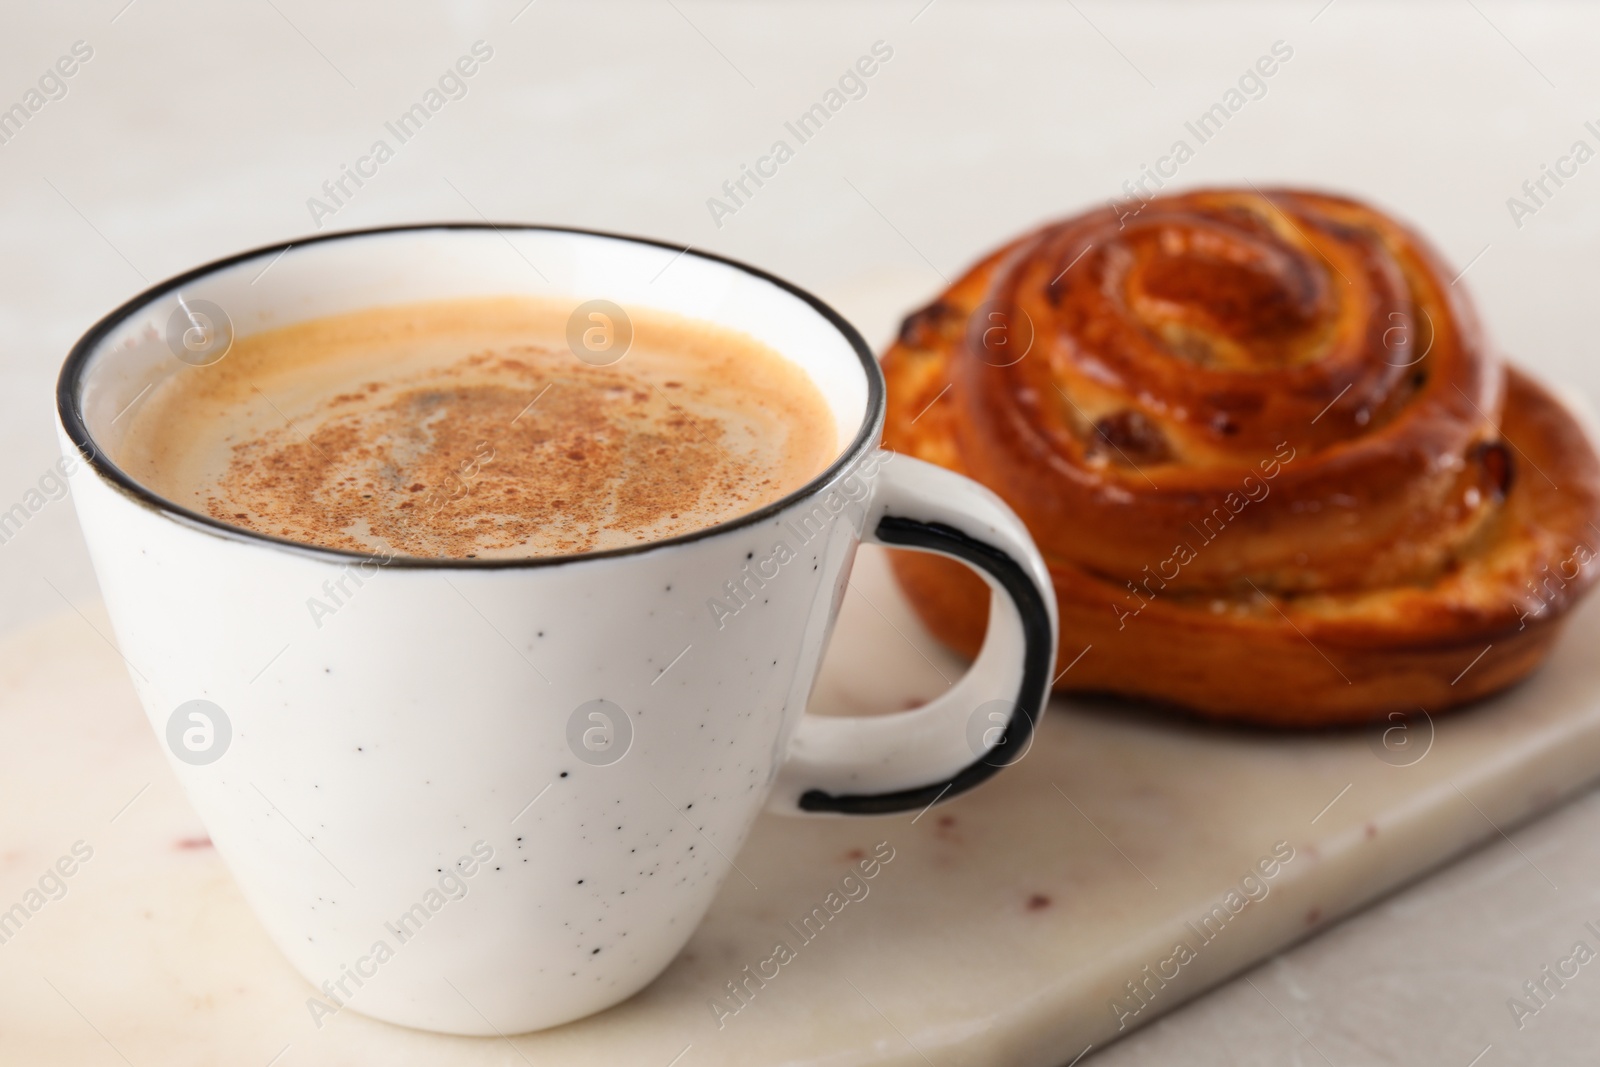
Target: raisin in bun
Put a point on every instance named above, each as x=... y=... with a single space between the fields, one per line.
x=1277 y=473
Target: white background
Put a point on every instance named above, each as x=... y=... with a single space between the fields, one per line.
x=199 y=129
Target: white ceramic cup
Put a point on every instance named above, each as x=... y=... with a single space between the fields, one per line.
x=483 y=796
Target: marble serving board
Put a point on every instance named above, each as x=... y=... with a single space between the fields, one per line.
x=1127 y=863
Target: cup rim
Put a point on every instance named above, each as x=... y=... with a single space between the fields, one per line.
x=69 y=408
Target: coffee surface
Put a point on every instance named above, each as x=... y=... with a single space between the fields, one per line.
x=468 y=428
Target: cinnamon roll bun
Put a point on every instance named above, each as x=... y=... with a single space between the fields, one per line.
x=1277 y=473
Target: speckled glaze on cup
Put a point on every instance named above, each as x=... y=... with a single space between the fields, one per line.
x=484 y=796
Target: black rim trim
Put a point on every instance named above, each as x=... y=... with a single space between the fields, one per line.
x=1038 y=645
x=70 y=411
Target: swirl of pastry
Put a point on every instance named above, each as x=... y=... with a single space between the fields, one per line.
x=1277 y=473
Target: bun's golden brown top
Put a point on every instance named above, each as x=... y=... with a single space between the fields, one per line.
x=1258 y=408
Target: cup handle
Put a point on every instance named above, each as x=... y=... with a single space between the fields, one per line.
x=906 y=761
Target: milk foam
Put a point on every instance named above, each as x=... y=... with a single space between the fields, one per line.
x=466 y=428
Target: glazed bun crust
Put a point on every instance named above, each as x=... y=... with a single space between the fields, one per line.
x=1276 y=473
